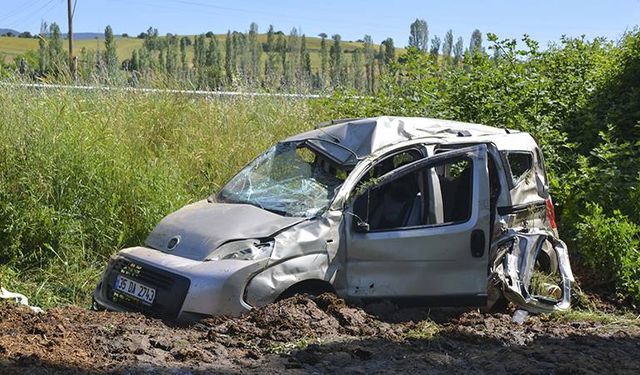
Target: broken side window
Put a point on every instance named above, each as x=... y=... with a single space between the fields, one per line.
x=385 y=166
x=439 y=195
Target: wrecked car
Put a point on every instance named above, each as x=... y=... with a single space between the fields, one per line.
x=437 y=211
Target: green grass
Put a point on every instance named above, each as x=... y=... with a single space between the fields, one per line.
x=423 y=330
x=579 y=315
x=83 y=174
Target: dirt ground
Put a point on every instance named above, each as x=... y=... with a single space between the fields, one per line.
x=312 y=335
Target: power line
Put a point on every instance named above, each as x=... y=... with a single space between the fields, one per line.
x=206 y=9
x=40 y=12
x=17 y=11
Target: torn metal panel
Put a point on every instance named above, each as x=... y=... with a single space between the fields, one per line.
x=18 y=298
x=514 y=264
x=367 y=136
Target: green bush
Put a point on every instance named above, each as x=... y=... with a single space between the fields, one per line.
x=578 y=98
x=611 y=246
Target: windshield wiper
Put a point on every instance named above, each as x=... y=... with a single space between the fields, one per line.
x=277 y=212
x=257 y=203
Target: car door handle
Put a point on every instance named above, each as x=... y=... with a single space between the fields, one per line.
x=477 y=243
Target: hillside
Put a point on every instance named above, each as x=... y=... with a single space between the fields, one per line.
x=12 y=31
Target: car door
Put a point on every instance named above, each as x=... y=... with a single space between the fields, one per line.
x=422 y=230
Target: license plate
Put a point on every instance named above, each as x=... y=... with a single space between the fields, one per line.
x=142 y=292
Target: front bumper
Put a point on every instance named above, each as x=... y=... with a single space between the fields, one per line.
x=184 y=287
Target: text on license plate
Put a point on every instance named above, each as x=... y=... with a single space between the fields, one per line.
x=133 y=288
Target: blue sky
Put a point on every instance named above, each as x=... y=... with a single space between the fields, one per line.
x=544 y=20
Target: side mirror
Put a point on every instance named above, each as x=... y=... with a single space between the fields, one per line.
x=363 y=226
x=360 y=207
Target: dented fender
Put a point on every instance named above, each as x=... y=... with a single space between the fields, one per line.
x=306 y=251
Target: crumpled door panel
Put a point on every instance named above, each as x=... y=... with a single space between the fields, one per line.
x=515 y=257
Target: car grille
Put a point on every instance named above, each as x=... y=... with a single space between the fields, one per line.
x=171 y=289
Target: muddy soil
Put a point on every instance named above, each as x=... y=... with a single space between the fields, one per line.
x=311 y=335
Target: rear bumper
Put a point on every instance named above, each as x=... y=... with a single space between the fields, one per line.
x=184 y=287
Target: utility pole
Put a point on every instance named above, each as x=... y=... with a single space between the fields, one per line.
x=72 y=60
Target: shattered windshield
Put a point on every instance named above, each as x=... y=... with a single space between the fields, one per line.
x=289 y=179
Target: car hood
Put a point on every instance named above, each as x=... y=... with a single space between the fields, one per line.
x=198 y=229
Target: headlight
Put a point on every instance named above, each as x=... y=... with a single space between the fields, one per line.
x=243 y=250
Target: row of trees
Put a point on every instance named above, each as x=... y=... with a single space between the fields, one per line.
x=444 y=48
x=24 y=34
x=271 y=61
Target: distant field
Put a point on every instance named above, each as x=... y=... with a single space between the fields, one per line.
x=10 y=47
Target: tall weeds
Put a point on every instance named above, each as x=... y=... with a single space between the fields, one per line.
x=83 y=174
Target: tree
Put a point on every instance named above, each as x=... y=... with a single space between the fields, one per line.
x=25 y=34
x=87 y=63
x=144 y=61
x=134 y=65
x=389 y=51
x=272 y=58
x=357 y=70
x=110 y=56
x=324 y=58
x=214 y=64
x=229 y=61
x=184 y=42
x=419 y=35
x=241 y=56
x=305 y=59
x=269 y=46
x=42 y=49
x=255 y=51
x=56 y=57
x=369 y=58
x=281 y=46
x=447 y=46
x=435 y=48
x=475 y=45
x=458 y=51
x=150 y=39
x=293 y=43
x=199 y=56
x=171 y=61
x=380 y=58
x=336 y=60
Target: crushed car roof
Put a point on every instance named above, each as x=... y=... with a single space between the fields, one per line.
x=365 y=136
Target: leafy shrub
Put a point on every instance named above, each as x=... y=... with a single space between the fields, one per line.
x=578 y=98
x=611 y=246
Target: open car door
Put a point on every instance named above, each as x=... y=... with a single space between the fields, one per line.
x=422 y=230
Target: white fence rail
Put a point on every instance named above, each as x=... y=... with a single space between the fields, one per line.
x=167 y=91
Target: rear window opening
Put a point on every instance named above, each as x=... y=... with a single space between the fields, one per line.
x=520 y=164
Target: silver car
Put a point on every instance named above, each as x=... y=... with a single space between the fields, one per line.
x=425 y=210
